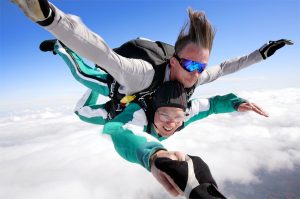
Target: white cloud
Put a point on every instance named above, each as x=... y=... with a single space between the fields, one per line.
x=49 y=153
x=237 y=145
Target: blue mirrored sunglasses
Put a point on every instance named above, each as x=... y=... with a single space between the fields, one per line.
x=190 y=65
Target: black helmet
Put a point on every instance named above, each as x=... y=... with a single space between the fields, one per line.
x=170 y=94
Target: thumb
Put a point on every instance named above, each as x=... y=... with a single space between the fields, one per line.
x=177 y=170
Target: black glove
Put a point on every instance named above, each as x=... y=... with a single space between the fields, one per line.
x=269 y=48
x=192 y=176
x=48 y=45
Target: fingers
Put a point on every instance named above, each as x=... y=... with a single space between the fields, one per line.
x=169 y=154
x=174 y=187
x=259 y=110
x=180 y=155
x=158 y=169
x=286 y=41
x=165 y=181
x=169 y=184
x=252 y=107
x=173 y=155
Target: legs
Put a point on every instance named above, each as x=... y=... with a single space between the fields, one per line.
x=91 y=77
x=87 y=108
x=89 y=111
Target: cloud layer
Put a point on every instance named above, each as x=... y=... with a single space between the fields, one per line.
x=49 y=153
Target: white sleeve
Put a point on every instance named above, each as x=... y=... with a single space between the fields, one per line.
x=229 y=67
x=134 y=74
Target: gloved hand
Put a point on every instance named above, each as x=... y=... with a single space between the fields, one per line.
x=37 y=10
x=192 y=176
x=48 y=45
x=269 y=48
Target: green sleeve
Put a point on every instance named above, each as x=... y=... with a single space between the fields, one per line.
x=130 y=141
x=201 y=108
x=225 y=104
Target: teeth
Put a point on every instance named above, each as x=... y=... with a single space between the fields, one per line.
x=168 y=129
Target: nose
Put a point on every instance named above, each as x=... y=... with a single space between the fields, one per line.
x=195 y=73
x=171 y=122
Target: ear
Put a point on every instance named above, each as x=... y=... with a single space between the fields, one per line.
x=173 y=61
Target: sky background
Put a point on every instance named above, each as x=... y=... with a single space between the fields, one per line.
x=28 y=75
x=45 y=151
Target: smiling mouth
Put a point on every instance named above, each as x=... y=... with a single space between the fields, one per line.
x=167 y=128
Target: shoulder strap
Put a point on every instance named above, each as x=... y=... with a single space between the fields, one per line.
x=155 y=53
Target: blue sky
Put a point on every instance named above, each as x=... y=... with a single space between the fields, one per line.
x=242 y=26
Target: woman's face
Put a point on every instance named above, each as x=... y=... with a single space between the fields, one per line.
x=167 y=120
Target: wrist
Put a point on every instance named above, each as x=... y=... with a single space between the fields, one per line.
x=50 y=17
x=156 y=154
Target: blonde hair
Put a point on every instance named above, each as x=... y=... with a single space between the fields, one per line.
x=198 y=31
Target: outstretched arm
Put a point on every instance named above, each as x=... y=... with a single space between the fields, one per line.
x=127 y=131
x=239 y=63
x=201 y=108
x=134 y=74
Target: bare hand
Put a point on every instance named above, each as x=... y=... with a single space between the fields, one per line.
x=165 y=180
x=248 y=106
